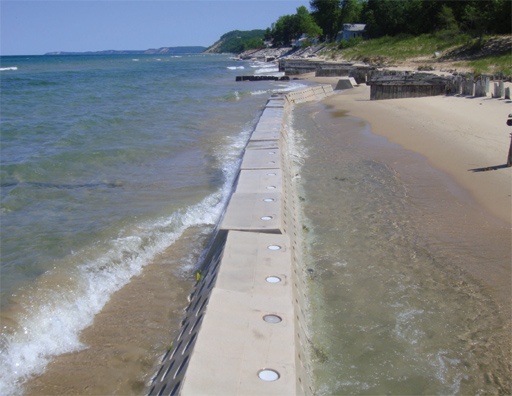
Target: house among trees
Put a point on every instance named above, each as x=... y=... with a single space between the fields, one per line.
x=303 y=40
x=351 y=30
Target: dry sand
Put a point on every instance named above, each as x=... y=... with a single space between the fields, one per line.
x=461 y=136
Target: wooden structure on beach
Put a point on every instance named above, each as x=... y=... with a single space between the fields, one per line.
x=407 y=85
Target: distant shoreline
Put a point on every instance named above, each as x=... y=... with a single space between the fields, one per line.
x=151 y=51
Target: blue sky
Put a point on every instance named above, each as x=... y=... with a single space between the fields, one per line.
x=39 y=26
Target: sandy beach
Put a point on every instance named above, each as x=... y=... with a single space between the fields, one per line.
x=408 y=206
x=462 y=136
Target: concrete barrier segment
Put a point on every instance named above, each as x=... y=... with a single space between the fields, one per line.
x=265 y=134
x=270 y=123
x=276 y=103
x=345 y=83
x=262 y=144
x=254 y=212
x=272 y=111
x=243 y=333
x=261 y=159
x=261 y=181
x=308 y=94
x=241 y=300
x=169 y=378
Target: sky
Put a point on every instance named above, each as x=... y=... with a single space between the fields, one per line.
x=36 y=27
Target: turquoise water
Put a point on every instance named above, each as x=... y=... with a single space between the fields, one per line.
x=106 y=162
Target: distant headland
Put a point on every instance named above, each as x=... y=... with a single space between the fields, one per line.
x=151 y=51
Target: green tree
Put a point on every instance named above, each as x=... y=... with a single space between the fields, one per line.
x=327 y=15
x=238 y=41
x=282 y=31
x=306 y=23
x=501 y=16
x=351 y=11
x=480 y=17
x=390 y=17
x=446 y=19
x=289 y=27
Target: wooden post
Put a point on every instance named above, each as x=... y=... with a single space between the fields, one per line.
x=497 y=90
x=501 y=88
x=509 y=159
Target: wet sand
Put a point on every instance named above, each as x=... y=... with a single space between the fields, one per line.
x=462 y=136
x=466 y=138
x=131 y=333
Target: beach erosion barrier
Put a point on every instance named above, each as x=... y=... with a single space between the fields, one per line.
x=394 y=84
x=245 y=328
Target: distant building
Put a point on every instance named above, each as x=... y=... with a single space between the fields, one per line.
x=351 y=30
x=302 y=40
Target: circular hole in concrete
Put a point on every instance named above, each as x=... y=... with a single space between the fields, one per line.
x=271 y=162
x=271 y=152
x=274 y=247
x=273 y=279
x=266 y=218
x=268 y=375
x=268 y=200
x=271 y=187
x=272 y=319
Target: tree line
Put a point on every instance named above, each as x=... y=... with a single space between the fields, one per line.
x=392 y=17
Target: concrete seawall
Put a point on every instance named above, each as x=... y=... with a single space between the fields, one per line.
x=245 y=327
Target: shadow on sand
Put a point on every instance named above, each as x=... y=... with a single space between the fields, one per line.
x=489 y=168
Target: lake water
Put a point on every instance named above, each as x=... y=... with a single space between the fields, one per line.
x=114 y=171
x=388 y=241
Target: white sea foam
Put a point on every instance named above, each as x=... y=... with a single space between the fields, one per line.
x=8 y=68
x=289 y=86
x=406 y=326
x=281 y=87
x=53 y=328
x=259 y=92
x=274 y=71
x=54 y=325
x=446 y=371
x=236 y=67
x=266 y=68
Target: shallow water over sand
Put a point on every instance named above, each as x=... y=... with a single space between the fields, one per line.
x=114 y=170
x=402 y=264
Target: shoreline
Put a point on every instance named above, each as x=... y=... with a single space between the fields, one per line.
x=402 y=258
x=461 y=136
x=358 y=107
